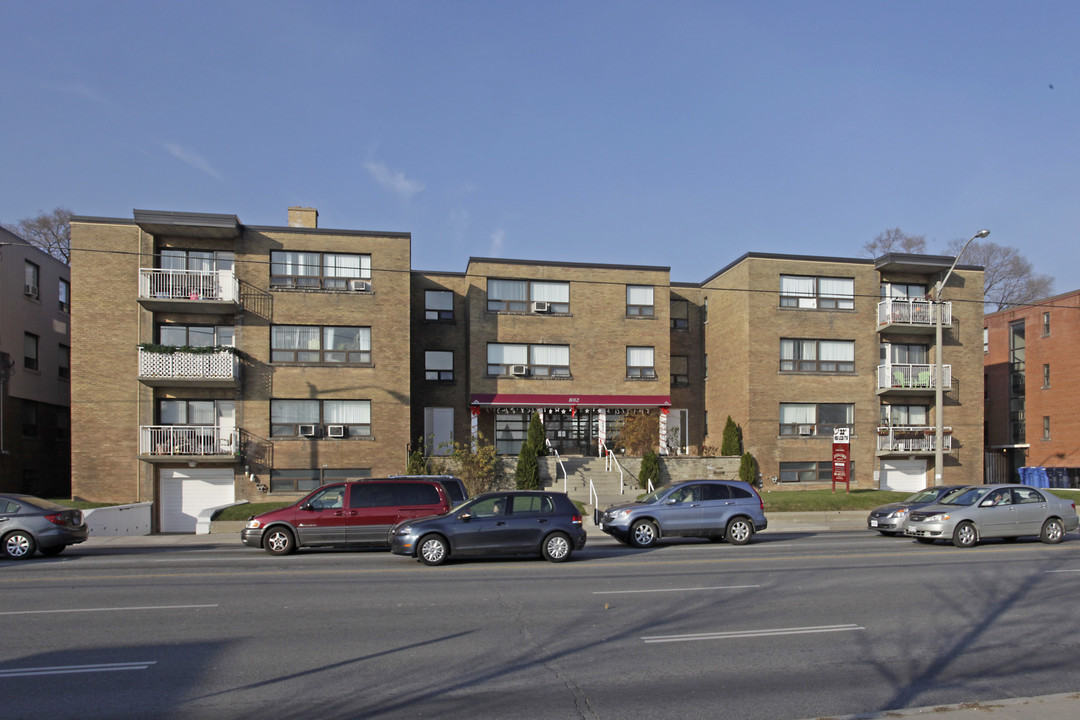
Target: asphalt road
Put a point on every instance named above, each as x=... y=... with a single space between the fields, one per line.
x=795 y=625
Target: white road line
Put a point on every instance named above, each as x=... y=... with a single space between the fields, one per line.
x=1062 y=571
x=116 y=609
x=69 y=669
x=689 y=589
x=750 y=633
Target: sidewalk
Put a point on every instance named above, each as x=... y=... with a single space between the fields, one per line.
x=1047 y=707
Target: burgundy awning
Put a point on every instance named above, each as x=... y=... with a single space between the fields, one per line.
x=584 y=401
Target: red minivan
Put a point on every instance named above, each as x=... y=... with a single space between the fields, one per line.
x=345 y=514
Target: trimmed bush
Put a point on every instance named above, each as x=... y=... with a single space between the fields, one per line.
x=527 y=473
x=650 y=470
x=732 y=439
x=536 y=436
x=748 y=469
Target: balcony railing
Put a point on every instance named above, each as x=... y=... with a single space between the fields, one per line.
x=911 y=439
x=188 y=366
x=187 y=440
x=913 y=313
x=159 y=284
x=912 y=377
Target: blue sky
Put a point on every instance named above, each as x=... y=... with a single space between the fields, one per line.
x=679 y=134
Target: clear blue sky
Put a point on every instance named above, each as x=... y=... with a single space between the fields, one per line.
x=679 y=134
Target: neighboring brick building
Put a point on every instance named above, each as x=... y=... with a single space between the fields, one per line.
x=1032 y=381
x=345 y=356
x=35 y=370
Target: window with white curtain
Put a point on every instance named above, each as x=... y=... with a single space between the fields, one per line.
x=438 y=305
x=904 y=354
x=826 y=356
x=639 y=301
x=680 y=314
x=905 y=415
x=500 y=356
x=314 y=344
x=815 y=419
x=640 y=363
x=823 y=293
x=541 y=360
x=187 y=412
x=438 y=365
x=329 y=271
x=287 y=415
x=516 y=295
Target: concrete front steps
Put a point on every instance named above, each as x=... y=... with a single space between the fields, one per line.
x=579 y=471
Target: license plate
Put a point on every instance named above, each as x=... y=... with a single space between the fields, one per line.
x=601 y=526
x=873 y=523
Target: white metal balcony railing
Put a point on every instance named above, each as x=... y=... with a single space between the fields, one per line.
x=163 y=440
x=912 y=377
x=911 y=439
x=908 y=311
x=188 y=284
x=222 y=365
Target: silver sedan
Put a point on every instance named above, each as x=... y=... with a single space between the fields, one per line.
x=985 y=511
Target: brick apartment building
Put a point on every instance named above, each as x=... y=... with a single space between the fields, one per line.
x=35 y=370
x=253 y=362
x=1032 y=379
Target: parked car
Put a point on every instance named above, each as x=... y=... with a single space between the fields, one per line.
x=515 y=522
x=454 y=487
x=356 y=513
x=717 y=509
x=985 y=511
x=29 y=524
x=889 y=519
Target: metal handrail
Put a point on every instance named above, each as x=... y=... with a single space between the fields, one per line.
x=559 y=464
x=609 y=457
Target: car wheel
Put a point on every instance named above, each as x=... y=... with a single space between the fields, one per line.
x=432 y=550
x=925 y=541
x=739 y=531
x=557 y=547
x=19 y=545
x=279 y=541
x=643 y=534
x=52 y=550
x=964 y=536
x=1052 y=531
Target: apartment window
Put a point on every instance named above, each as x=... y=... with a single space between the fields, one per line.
x=705 y=312
x=809 y=419
x=640 y=363
x=323 y=345
x=639 y=301
x=903 y=290
x=438 y=305
x=315 y=270
x=187 y=412
x=64 y=362
x=904 y=354
x=1046 y=427
x=63 y=424
x=680 y=315
x=196 y=260
x=1046 y=375
x=519 y=359
x=706 y=366
x=30 y=351
x=809 y=472
x=312 y=479
x=197 y=335
x=1046 y=323
x=986 y=340
x=30 y=418
x=33 y=278
x=64 y=295
x=293 y=417
x=438 y=365
x=823 y=356
x=528 y=296
x=905 y=416
x=822 y=293
x=680 y=372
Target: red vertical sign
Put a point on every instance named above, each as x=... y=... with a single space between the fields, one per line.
x=841 y=458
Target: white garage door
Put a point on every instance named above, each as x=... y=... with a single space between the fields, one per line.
x=903 y=475
x=187 y=492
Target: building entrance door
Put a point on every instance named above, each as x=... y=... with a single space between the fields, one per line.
x=572 y=434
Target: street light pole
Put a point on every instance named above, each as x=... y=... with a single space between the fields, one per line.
x=939 y=372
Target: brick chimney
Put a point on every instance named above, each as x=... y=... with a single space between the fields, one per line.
x=303 y=217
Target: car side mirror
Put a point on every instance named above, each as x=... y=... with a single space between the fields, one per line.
x=670 y=501
x=986 y=503
x=306 y=506
x=465 y=517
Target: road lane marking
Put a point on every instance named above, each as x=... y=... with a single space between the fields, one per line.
x=1062 y=571
x=687 y=589
x=751 y=633
x=70 y=669
x=116 y=609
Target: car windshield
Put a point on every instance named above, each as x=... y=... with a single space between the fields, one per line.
x=654 y=495
x=967 y=497
x=923 y=496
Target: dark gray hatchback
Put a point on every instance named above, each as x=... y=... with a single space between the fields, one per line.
x=728 y=510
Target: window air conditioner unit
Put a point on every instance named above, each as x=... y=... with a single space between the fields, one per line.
x=806 y=429
x=335 y=431
x=31 y=290
x=360 y=285
x=519 y=370
x=305 y=430
x=539 y=306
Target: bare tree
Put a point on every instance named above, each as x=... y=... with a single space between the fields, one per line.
x=1009 y=278
x=895 y=240
x=49 y=231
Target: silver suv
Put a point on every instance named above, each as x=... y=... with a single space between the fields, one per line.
x=717 y=509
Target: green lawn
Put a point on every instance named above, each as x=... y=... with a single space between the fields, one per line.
x=243 y=512
x=808 y=500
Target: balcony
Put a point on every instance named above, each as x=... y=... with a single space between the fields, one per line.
x=189 y=369
x=188 y=443
x=188 y=291
x=911 y=378
x=909 y=315
x=911 y=440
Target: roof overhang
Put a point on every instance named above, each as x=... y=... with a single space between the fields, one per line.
x=181 y=224
x=570 y=401
x=909 y=263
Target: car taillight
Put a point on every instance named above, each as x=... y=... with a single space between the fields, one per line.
x=575 y=520
x=56 y=518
